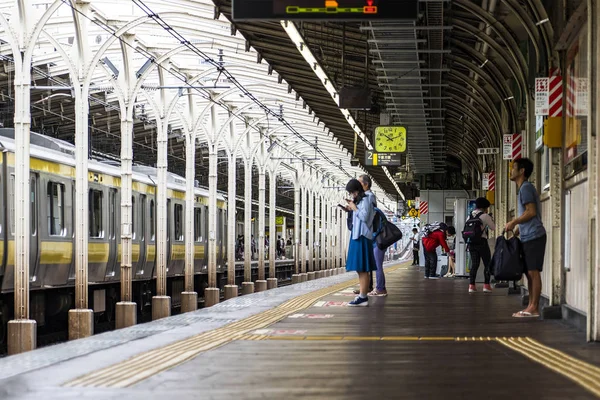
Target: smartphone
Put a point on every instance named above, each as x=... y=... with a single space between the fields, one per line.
x=342 y=207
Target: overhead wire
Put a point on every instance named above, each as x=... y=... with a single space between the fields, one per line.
x=204 y=93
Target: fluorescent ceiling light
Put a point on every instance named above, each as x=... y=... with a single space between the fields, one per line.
x=298 y=41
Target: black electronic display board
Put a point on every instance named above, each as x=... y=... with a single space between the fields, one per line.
x=340 y=10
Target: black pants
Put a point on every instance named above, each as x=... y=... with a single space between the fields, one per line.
x=430 y=263
x=415 y=257
x=478 y=253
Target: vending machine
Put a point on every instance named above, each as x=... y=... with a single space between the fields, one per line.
x=462 y=209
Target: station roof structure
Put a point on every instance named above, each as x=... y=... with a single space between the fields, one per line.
x=449 y=77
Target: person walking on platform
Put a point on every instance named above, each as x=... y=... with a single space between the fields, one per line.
x=435 y=236
x=532 y=233
x=479 y=248
x=414 y=239
x=360 y=249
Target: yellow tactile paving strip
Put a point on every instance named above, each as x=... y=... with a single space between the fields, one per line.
x=142 y=366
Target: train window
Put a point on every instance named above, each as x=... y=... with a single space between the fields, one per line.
x=11 y=203
x=178 y=218
x=132 y=217
x=56 y=211
x=95 y=204
x=152 y=222
x=112 y=215
x=197 y=224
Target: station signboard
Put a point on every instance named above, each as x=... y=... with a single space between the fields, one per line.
x=374 y=159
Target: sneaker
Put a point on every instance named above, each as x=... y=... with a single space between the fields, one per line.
x=434 y=277
x=356 y=291
x=426 y=277
x=472 y=289
x=359 y=302
x=487 y=289
x=377 y=293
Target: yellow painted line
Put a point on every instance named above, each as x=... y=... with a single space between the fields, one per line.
x=401 y=338
x=437 y=339
x=377 y=338
x=584 y=374
x=366 y=338
x=142 y=366
x=323 y=337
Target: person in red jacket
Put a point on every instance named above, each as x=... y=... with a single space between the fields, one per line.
x=430 y=245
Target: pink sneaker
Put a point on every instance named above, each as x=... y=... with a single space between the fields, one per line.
x=487 y=289
x=472 y=289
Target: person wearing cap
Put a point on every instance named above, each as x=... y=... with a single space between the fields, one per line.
x=430 y=245
x=481 y=251
x=360 y=250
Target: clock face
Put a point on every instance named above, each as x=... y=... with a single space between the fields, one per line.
x=390 y=139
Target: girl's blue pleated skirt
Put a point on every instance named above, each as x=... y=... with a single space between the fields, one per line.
x=360 y=255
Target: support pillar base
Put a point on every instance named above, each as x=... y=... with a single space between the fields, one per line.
x=271 y=283
x=552 y=312
x=126 y=314
x=161 y=307
x=295 y=279
x=211 y=296
x=311 y=276
x=189 y=301
x=231 y=291
x=303 y=277
x=327 y=273
x=261 y=285
x=247 y=288
x=22 y=336
x=81 y=324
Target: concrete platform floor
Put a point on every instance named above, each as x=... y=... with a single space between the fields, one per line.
x=426 y=339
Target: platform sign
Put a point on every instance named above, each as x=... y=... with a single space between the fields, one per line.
x=507 y=147
x=582 y=93
x=539 y=132
x=328 y=10
x=374 y=159
x=488 y=151
x=485 y=182
x=542 y=96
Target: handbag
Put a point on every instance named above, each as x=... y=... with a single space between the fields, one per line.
x=388 y=235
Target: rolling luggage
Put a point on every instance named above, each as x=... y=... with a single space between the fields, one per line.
x=507 y=263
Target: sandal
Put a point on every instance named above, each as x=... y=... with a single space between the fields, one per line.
x=525 y=314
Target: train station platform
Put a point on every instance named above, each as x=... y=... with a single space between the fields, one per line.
x=426 y=339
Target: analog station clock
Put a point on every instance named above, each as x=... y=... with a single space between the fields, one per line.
x=390 y=139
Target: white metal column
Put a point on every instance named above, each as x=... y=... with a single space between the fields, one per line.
x=248 y=285
x=22 y=330
x=261 y=283
x=81 y=321
x=297 y=194
x=272 y=281
x=211 y=293
x=303 y=222
x=311 y=233
x=323 y=235
x=189 y=298
x=231 y=289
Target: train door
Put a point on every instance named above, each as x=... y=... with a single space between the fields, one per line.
x=113 y=262
x=34 y=240
x=198 y=247
x=142 y=235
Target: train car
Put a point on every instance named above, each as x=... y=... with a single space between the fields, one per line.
x=52 y=201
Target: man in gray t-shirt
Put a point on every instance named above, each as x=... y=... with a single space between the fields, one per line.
x=532 y=232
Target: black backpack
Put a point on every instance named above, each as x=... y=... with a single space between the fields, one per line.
x=473 y=231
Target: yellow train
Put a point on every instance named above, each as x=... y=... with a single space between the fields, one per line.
x=52 y=199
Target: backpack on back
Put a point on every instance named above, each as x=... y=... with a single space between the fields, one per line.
x=429 y=228
x=473 y=231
